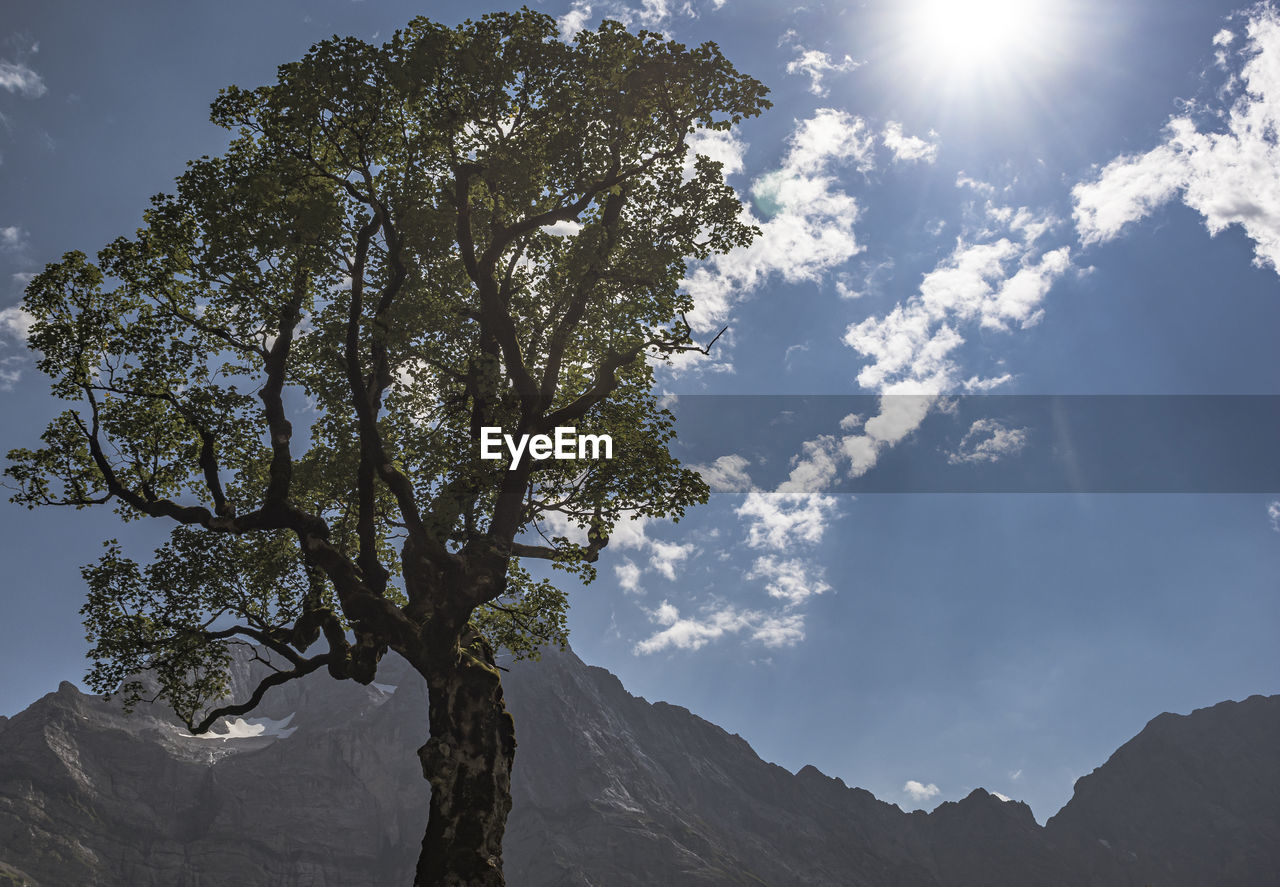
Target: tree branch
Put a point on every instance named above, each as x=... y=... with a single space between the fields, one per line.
x=275 y=679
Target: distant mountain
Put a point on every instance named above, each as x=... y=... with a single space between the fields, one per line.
x=321 y=788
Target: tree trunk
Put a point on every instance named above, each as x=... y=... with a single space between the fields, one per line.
x=468 y=763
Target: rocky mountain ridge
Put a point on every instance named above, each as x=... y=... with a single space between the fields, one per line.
x=321 y=788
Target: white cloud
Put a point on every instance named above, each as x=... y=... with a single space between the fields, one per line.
x=1128 y=189
x=13 y=239
x=779 y=630
x=574 y=20
x=690 y=633
x=16 y=322
x=982 y=385
x=720 y=145
x=654 y=12
x=909 y=149
x=1273 y=513
x=798 y=348
x=995 y=284
x=1227 y=176
x=809 y=227
x=9 y=377
x=787 y=580
x=648 y=14
x=900 y=414
x=693 y=633
x=630 y=533
x=1016 y=774
x=555 y=524
x=816 y=65
x=1223 y=38
x=727 y=474
x=781 y=521
x=992 y=284
x=829 y=135
x=628 y=576
x=905 y=344
x=816 y=469
x=919 y=791
x=666 y=556
x=563 y=228
x=964 y=181
x=845 y=291
x=988 y=440
x=17 y=77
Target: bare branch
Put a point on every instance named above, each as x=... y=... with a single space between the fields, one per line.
x=275 y=679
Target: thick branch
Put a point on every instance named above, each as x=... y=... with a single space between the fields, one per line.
x=606 y=380
x=375 y=574
x=276 y=364
x=578 y=306
x=495 y=321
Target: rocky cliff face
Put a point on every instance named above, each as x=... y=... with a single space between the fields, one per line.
x=321 y=788
x=1192 y=799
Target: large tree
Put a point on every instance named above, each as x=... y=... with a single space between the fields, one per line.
x=404 y=244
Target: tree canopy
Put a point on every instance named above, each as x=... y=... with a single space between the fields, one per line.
x=292 y=359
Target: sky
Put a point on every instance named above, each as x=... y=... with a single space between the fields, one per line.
x=992 y=431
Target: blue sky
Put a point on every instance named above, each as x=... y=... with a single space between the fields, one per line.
x=1038 y=198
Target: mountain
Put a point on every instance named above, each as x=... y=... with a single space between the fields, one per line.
x=321 y=788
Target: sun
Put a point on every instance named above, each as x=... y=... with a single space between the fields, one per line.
x=957 y=36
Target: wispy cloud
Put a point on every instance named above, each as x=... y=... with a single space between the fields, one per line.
x=1273 y=514
x=713 y=623
x=815 y=64
x=791 y=581
x=966 y=181
x=995 y=281
x=995 y=284
x=17 y=77
x=13 y=239
x=15 y=325
x=988 y=440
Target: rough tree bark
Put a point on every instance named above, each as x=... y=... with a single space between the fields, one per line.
x=468 y=763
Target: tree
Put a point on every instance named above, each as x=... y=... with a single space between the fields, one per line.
x=402 y=245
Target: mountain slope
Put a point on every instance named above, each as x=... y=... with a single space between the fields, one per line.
x=322 y=788
x=1192 y=799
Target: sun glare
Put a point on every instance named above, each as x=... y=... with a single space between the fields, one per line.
x=987 y=35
